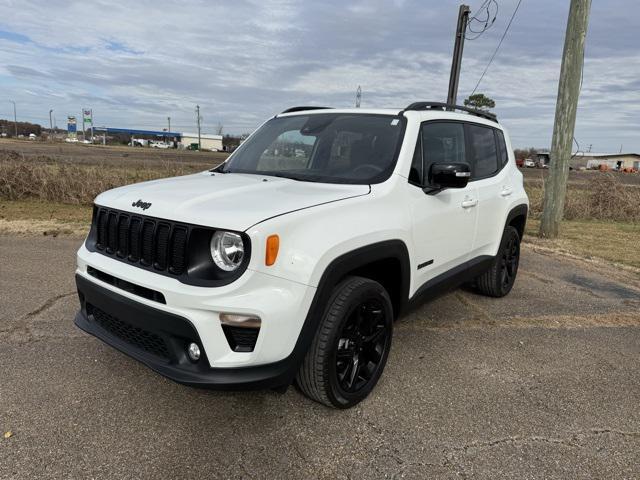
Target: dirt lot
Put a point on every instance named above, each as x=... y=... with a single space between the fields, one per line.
x=540 y=384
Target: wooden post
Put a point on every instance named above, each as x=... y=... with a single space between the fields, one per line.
x=555 y=185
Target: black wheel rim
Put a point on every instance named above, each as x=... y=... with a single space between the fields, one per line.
x=509 y=263
x=361 y=346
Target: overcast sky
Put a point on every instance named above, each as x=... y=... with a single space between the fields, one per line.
x=135 y=63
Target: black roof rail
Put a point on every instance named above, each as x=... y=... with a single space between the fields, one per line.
x=447 y=106
x=302 y=108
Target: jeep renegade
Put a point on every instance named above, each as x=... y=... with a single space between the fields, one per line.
x=291 y=260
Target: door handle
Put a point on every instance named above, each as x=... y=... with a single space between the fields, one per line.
x=506 y=191
x=469 y=203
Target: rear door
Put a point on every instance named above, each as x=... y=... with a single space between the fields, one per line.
x=488 y=157
x=443 y=223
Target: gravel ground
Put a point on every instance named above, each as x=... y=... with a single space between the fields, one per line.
x=541 y=384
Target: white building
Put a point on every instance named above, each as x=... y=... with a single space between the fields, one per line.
x=614 y=161
x=208 y=142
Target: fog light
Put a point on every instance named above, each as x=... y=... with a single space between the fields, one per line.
x=194 y=352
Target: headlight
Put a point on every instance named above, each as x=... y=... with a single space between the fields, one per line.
x=227 y=250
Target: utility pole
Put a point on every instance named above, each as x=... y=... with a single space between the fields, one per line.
x=50 y=126
x=15 y=118
x=199 y=141
x=555 y=185
x=456 y=62
x=169 y=124
x=358 y=96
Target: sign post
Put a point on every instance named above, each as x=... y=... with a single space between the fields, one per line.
x=87 y=117
x=72 y=128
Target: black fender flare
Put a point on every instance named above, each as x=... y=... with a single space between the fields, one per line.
x=518 y=211
x=337 y=270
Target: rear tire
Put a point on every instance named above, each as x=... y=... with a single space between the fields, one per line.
x=350 y=349
x=498 y=280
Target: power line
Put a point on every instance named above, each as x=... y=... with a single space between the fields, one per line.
x=497 y=48
x=486 y=21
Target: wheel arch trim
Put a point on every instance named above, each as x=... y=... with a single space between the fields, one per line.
x=337 y=269
x=521 y=210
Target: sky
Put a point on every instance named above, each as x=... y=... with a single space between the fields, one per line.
x=242 y=61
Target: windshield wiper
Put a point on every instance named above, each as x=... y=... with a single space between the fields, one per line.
x=291 y=176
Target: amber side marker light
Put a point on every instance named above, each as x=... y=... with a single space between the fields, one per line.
x=273 y=244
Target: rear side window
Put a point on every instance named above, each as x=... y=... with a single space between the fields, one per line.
x=484 y=154
x=442 y=142
x=502 y=147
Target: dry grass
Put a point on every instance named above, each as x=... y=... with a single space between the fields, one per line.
x=73 y=183
x=29 y=217
x=602 y=197
x=613 y=242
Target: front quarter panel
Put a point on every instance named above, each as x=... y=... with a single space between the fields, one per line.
x=311 y=239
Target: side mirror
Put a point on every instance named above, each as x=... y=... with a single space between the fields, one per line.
x=449 y=175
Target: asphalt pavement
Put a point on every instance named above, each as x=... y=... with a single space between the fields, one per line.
x=544 y=383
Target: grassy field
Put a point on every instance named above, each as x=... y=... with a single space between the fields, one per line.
x=614 y=242
x=49 y=189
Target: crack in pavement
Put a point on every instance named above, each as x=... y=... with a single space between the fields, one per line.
x=46 y=305
x=451 y=453
x=569 y=442
x=22 y=331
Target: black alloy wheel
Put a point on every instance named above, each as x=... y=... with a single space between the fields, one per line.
x=498 y=280
x=509 y=263
x=361 y=346
x=350 y=349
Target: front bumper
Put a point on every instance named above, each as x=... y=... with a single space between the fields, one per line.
x=158 y=339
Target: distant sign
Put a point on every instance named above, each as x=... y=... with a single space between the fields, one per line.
x=87 y=116
x=72 y=128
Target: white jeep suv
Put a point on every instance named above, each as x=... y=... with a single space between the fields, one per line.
x=291 y=260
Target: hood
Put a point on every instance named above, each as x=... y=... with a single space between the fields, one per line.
x=232 y=201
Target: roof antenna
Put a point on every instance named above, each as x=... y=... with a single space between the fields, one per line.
x=358 y=96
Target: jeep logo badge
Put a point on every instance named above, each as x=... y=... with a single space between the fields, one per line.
x=141 y=204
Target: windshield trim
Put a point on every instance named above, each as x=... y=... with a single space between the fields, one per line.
x=380 y=178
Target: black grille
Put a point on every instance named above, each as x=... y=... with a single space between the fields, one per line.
x=136 y=336
x=241 y=339
x=142 y=240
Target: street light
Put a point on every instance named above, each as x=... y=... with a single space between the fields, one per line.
x=50 y=125
x=15 y=118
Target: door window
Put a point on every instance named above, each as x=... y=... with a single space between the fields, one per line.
x=484 y=154
x=442 y=142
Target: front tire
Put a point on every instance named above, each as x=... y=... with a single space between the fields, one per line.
x=498 y=280
x=350 y=349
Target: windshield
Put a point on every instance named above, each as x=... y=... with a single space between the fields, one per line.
x=327 y=147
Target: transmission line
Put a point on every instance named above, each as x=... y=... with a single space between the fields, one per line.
x=497 y=48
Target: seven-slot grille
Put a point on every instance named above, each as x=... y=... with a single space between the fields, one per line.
x=142 y=240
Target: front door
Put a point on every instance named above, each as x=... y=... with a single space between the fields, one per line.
x=443 y=223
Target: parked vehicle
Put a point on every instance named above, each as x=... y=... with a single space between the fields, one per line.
x=291 y=261
x=139 y=142
x=529 y=163
x=520 y=162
